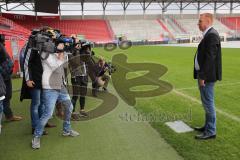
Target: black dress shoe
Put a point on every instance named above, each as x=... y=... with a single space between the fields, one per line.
x=199 y=129
x=204 y=136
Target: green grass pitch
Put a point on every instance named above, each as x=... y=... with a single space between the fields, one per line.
x=108 y=137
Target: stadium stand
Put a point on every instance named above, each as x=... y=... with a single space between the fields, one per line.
x=231 y=22
x=171 y=26
x=139 y=29
x=94 y=28
x=97 y=31
x=166 y=29
x=11 y=29
x=187 y=23
x=16 y=36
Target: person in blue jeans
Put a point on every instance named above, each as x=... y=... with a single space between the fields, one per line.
x=32 y=84
x=54 y=89
x=207 y=98
x=208 y=70
x=36 y=108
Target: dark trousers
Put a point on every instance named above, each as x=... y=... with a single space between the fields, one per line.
x=6 y=102
x=81 y=101
x=79 y=85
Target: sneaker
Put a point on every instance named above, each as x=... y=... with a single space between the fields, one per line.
x=36 y=143
x=71 y=133
x=83 y=114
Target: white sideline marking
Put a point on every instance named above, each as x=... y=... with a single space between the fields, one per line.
x=217 y=85
x=235 y=118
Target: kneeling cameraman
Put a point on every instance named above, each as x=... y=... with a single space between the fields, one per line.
x=100 y=69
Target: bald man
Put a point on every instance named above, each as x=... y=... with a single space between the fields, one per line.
x=207 y=70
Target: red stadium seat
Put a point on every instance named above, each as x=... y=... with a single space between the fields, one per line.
x=231 y=22
x=93 y=30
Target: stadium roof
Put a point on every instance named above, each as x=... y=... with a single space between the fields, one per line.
x=28 y=5
x=167 y=1
x=75 y=1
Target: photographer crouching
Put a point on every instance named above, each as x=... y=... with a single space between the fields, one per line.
x=102 y=78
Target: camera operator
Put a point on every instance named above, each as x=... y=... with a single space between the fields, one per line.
x=79 y=80
x=100 y=69
x=86 y=56
x=6 y=68
x=54 y=89
x=32 y=81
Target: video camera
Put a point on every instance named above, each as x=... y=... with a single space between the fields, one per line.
x=67 y=41
x=46 y=41
x=41 y=41
x=87 y=46
x=111 y=68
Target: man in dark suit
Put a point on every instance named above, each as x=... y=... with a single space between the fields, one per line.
x=207 y=70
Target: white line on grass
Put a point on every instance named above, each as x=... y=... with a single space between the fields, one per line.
x=235 y=118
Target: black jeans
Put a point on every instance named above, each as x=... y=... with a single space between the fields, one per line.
x=79 y=85
x=6 y=102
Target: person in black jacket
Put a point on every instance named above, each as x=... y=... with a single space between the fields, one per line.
x=32 y=84
x=6 y=66
x=207 y=70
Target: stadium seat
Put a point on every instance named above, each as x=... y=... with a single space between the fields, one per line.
x=93 y=30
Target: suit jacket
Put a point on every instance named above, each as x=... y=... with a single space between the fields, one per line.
x=209 y=57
